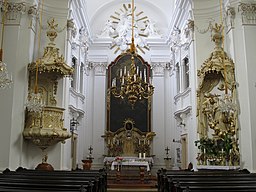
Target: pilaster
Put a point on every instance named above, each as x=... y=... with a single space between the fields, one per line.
x=158 y=112
x=18 y=47
x=98 y=116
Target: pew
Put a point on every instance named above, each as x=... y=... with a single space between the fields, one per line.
x=180 y=180
x=39 y=181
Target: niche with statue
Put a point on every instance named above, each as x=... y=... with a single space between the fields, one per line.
x=217 y=108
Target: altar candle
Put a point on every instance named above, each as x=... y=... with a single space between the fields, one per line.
x=139 y=155
x=222 y=151
x=139 y=141
x=121 y=73
x=204 y=151
x=124 y=70
x=144 y=155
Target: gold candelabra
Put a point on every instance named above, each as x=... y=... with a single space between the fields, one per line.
x=132 y=86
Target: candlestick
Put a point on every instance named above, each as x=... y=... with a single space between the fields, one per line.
x=139 y=155
x=121 y=73
x=144 y=155
x=124 y=70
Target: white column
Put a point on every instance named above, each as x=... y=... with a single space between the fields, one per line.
x=18 y=51
x=98 y=116
x=243 y=38
x=158 y=114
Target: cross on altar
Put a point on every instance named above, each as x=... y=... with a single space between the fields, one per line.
x=167 y=150
x=90 y=149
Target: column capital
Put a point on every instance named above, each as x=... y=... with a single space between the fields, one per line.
x=248 y=13
x=99 y=68
x=158 y=68
x=13 y=11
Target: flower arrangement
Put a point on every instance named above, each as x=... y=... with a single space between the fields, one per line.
x=119 y=159
x=216 y=151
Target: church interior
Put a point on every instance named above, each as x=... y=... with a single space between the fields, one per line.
x=156 y=84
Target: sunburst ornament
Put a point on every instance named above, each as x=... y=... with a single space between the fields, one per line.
x=120 y=29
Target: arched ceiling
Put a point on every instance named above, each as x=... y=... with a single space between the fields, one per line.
x=99 y=11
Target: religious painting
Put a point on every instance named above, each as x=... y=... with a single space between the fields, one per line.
x=118 y=110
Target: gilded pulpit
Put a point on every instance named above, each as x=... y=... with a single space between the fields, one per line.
x=44 y=119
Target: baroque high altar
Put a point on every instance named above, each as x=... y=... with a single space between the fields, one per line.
x=128 y=141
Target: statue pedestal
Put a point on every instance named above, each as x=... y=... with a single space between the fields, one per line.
x=167 y=161
x=87 y=164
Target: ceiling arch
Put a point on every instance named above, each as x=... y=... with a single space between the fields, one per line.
x=102 y=13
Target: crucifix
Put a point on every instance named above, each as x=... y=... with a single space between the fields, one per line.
x=90 y=149
x=167 y=150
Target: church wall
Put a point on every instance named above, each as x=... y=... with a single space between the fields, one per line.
x=241 y=35
x=182 y=48
x=249 y=32
x=19 y=51
x=18 y=47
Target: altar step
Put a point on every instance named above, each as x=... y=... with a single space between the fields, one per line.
x=131 y=190
x=130 y=181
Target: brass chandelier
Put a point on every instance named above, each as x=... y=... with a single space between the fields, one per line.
x=132 y=86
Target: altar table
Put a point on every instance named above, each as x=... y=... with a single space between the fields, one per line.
x=142 y=163
x=130 y=163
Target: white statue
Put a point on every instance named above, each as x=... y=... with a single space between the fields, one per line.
x=108 y=29
x=150 y=28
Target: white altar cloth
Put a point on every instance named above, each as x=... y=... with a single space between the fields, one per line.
x=130 y=163
x=111 y=159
